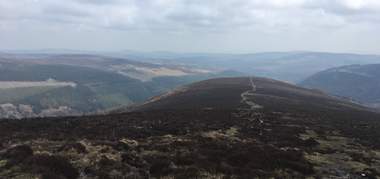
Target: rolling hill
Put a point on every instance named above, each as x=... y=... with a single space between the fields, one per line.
x=224 y=93
x=358 y=82
x=94 y=90
x=76 y=84
x=218 y=128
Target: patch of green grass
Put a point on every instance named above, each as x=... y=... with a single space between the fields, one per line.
x=15 y=94
x=3 y=163
x=113 y=100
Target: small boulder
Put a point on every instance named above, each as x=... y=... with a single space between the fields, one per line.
x=127 y=144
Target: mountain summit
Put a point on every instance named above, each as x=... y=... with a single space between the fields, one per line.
x=231 y=93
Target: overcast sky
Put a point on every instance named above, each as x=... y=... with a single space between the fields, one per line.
x=229 y=26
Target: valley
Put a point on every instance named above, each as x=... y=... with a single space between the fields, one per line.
x=189 y=89
x=84 y=84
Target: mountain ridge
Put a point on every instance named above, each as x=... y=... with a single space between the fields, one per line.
x=264 y=88
x=358 y=82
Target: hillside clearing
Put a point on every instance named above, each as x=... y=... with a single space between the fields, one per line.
x=26 y=84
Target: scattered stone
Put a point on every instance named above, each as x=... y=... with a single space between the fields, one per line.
x=78 y=147
x=127 y=144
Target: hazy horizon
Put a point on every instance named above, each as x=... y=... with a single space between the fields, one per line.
x=127 y=51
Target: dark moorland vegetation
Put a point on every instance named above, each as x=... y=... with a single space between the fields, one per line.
x=296 y=133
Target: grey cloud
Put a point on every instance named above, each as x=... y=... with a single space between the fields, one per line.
x=190 y=13
x=243 y=20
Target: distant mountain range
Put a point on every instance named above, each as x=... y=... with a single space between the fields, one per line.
x=358 y=82
x=286 y=66
x=105 y=81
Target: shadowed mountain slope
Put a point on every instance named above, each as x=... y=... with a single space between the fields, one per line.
x=226 y=93
x=229 y=127
x=358 y=82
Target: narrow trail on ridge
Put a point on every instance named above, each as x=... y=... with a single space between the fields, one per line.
x=251 y=111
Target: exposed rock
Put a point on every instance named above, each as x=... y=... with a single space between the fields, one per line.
x=78 y=147
x=127 y=144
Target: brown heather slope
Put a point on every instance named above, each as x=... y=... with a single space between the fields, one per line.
x=225 y=93
x=220 y=128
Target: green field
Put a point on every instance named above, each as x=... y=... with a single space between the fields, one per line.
x=16 y=94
